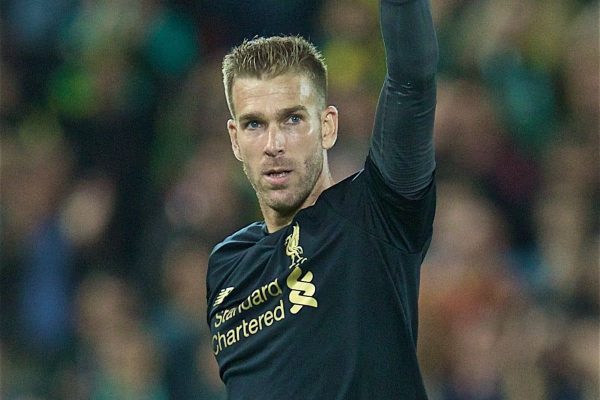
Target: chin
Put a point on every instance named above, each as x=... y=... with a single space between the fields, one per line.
x=285 y=204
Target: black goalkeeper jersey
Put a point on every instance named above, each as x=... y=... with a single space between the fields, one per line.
x=325 y=308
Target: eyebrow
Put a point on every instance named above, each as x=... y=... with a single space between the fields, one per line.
x=251 y=117
x=284 y=112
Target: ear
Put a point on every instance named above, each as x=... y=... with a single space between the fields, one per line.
x=329 y=127
x=232 y=129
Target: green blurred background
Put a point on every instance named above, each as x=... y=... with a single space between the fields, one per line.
x=117 y=179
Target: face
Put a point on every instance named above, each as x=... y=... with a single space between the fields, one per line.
x=282 y=134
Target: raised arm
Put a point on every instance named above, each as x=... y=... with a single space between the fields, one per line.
x=402 y=141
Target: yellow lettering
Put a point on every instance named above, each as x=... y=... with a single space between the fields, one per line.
x=264 y=291
x=252 y=326
x=268 y=316
x=245 y=305
x=260 y=319
x=219 y=317
x=245 y=326
x=274 y=289
x=279 y=311
x=257 y=298
x=215 y=345
x=231 y=337
x=222 y=338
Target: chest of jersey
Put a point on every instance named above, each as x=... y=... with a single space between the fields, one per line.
x=317 y=297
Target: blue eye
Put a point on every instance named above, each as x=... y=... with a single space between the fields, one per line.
x=253 y=125
x=295 y=119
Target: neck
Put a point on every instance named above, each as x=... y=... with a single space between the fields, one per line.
x=275 y=220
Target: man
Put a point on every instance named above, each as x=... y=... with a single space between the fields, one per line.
x=319 y=301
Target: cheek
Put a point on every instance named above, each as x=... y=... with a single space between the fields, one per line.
x=248 y=150
x=315 y=143
x=251 y=158
x=312 y=152
x=309 y=139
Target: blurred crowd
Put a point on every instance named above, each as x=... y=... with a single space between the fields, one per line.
x=117 y=179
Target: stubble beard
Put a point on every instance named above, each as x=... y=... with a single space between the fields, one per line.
x=296 y=193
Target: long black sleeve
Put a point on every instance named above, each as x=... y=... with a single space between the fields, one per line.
x=402 y=141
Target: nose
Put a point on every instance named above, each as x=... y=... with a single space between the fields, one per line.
x=275 y=142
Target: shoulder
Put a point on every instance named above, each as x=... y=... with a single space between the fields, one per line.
x=239 y=241
x=362 y=188
x=227 y=255
x=344 y=191
x=369 y=203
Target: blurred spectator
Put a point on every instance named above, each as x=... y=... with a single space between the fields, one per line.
x=179 y=327
x=255 y=18
x=116 y=355
x=32 y=236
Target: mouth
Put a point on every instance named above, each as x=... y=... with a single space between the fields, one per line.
x=277 y=177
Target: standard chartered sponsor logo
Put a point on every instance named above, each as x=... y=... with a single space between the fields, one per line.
x=247 y=328
x=250 y=326
x=302 y=292
x=258 y=296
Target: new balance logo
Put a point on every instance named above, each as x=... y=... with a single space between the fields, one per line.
x=221 y=296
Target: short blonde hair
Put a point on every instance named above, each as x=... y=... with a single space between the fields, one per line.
x=265 y=58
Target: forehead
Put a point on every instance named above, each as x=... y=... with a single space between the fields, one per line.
x=256 y=94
